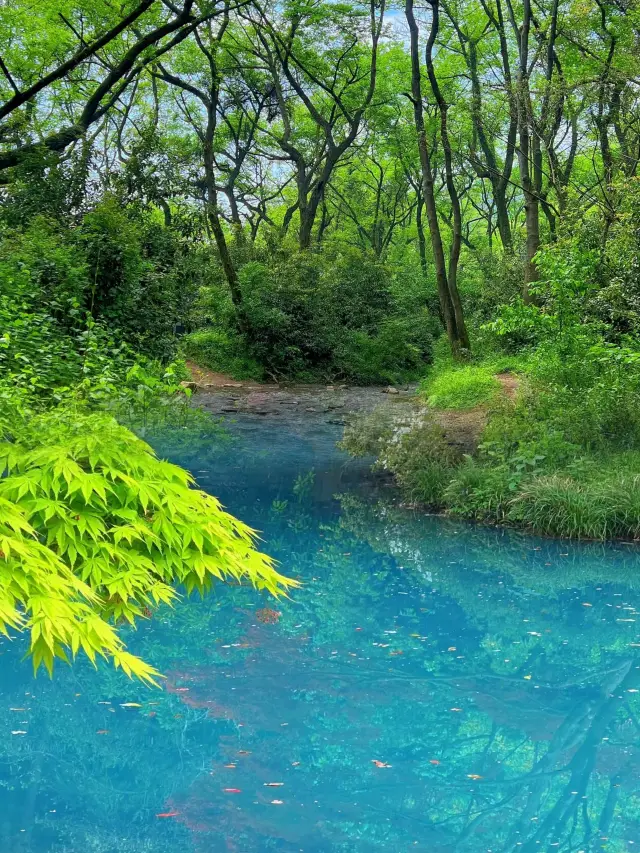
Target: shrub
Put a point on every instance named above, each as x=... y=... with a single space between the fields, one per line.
x=478 y=491
x=223 y=350
x=396 y=353
x=409 y=445
x=140 y=282
x=321 y=315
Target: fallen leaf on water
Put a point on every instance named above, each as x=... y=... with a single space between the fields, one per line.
x=527 y=678
x=452 y=649
x=230 y=766
x=473 y=776
x=379 y=763
x=273 y=784
x=244 y=752
x=434 y=761
x=232 y=791
x=397 y=652
x=168 y=814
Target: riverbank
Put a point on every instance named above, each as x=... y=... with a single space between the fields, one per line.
x=502 y=447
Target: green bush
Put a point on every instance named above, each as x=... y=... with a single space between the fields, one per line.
x=222 y=350
x=329 y=314
x=140 y=284
x=397 y=353
x=479 y=491
x=461 y=388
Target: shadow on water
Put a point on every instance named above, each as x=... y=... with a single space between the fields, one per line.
x=433 y=686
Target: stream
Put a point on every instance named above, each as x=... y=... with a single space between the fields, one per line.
x=433 y=686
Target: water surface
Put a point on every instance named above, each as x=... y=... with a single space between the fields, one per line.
x=433 y=686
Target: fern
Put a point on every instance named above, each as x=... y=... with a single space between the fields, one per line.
x=95 y=531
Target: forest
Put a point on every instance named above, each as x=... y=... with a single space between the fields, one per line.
x=442 y=196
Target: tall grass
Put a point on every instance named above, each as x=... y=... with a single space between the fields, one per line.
x=563 y=506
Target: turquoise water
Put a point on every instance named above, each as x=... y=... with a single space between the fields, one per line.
x=432 y=687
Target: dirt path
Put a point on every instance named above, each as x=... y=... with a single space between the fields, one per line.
x=207 y=379
x=464 y=427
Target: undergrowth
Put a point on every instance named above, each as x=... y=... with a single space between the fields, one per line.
x=560 y=459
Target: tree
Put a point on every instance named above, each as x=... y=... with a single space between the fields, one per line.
x=94 y=532
x=321 y=92
x=450 y=302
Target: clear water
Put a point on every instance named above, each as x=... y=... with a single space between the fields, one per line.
x=432 y=687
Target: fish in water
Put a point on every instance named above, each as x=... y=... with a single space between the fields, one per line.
x=268 y=616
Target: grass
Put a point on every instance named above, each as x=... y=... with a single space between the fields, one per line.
x=605 y=505
x=461 y=387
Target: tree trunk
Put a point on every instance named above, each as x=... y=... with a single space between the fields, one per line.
x=502 y=218
x=213 y=216
x=446 y=304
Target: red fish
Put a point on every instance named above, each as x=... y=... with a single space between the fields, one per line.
x=168 y=814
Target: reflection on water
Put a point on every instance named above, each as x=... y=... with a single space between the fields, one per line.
x=432 y=687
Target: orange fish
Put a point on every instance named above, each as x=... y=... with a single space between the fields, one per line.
x=268 y=616
x=168 y=814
